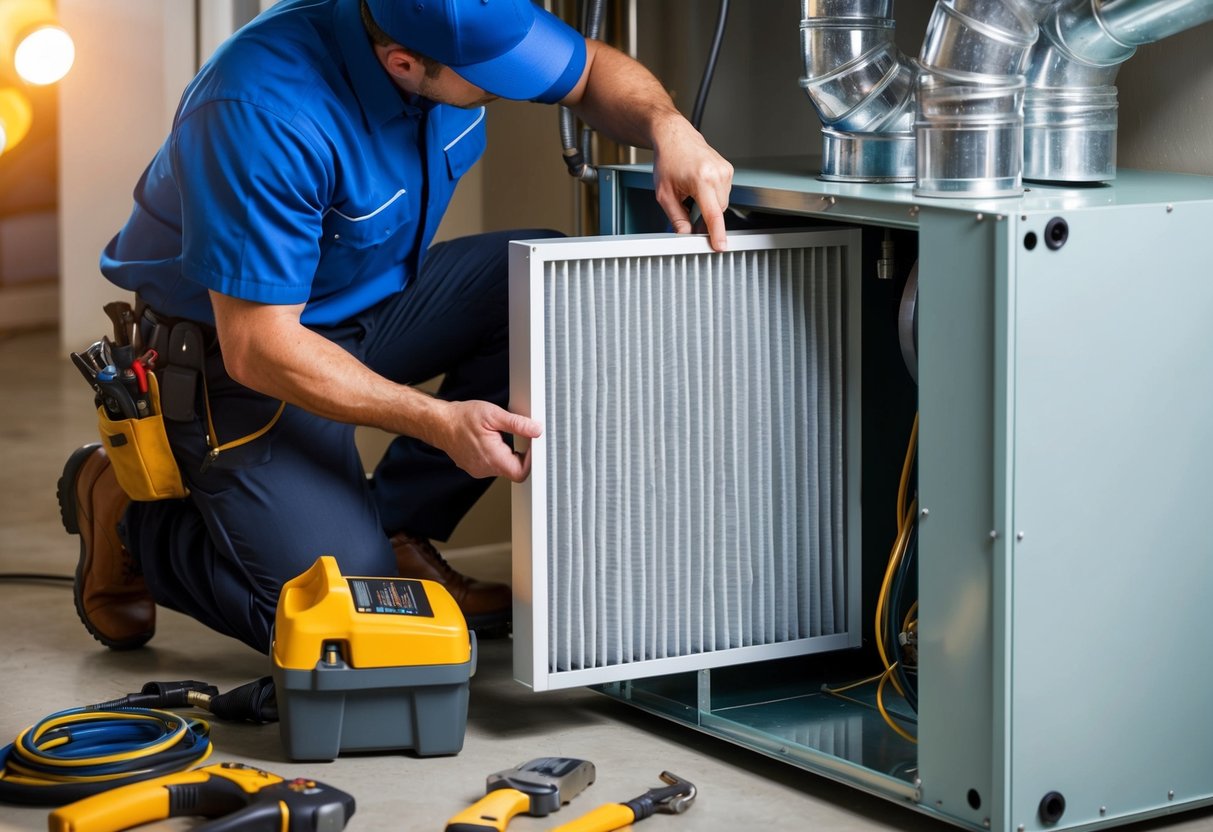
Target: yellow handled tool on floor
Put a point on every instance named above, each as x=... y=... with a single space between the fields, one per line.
x=538 y=788
x=673 y=799
x=242 y=798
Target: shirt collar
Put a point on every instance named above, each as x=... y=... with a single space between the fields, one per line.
x=380 y=99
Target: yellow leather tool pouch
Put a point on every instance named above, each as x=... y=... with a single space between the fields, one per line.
x=140 y=453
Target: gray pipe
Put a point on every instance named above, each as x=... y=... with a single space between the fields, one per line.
x=1070 y=110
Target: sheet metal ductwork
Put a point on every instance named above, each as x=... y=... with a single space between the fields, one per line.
x=1002 y=89
x=1070 y=111
x=863 y=88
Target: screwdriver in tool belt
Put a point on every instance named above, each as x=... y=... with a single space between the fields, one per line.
x=134 y=377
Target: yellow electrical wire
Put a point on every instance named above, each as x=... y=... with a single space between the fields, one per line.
x=885 y=713
x=852 y=685
x=889 y=718
x=903 y=486
x=905 y=525
x=882 y=599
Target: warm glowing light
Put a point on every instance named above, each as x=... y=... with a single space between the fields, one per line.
x=15 y=117
x=45 y=55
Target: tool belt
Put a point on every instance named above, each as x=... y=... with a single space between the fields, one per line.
x=138 y=386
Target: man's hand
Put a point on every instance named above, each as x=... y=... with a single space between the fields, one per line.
x=624 y=101
x=684 y=165
x=471 y=436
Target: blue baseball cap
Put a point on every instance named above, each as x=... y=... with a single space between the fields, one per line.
x=509 y=48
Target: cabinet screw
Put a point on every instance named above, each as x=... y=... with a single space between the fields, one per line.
x=1019 y=535
x=1170 y=208
x=993 y=534
x=1103 y=810
x=1171 y=794
x=926 y=512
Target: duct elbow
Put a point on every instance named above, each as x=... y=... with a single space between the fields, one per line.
x=862 y=88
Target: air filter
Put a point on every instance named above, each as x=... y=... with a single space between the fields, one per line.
x=692 y=501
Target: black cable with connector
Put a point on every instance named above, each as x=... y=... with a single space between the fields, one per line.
x=165 y=695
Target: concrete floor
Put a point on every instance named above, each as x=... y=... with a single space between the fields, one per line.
x=50 y=663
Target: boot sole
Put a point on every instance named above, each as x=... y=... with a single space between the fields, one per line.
x=65 y=490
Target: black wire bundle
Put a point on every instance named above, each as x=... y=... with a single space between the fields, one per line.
x=705 y=83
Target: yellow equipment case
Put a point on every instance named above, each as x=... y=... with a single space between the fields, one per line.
x=370 y=664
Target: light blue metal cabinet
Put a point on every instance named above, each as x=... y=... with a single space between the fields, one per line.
x=1065 y=397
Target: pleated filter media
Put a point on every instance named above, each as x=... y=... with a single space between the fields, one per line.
x=693 y=468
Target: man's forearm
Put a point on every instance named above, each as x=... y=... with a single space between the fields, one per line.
x=624 y=101
x=290 y=362
x=266 y=349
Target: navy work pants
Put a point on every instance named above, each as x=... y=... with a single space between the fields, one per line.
x=262 y=512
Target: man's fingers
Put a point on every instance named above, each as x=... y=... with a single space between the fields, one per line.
x=514 y=423
x=517 y=467
x=680 y=217
x=514 y=467
x=713 y=216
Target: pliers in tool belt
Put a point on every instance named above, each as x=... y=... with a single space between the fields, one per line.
x=673 y=799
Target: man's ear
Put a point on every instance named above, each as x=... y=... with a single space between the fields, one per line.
x=404 y=67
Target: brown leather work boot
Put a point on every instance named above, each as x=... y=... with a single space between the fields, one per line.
x=111 y=598
x=487 y=606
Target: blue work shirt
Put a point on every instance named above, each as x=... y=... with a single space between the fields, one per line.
x=295 y=172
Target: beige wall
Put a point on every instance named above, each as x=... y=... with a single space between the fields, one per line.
x=132 y=60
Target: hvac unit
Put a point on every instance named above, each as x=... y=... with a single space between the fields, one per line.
x=711 y=509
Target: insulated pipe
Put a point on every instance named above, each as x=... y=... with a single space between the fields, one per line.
x=1071 y=109
x=862 y=87
x=577 y=159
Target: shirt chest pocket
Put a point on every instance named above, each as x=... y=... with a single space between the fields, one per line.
x=360 y=243
x=463 y=143
x=350 y=229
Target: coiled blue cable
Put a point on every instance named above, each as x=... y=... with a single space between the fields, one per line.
x=79 y=752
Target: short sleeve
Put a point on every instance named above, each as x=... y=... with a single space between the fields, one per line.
x=252 y=202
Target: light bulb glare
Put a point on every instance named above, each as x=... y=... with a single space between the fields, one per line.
x=3 y=140
x=45 y=55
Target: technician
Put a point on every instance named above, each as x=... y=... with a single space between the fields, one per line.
x=289 y=214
